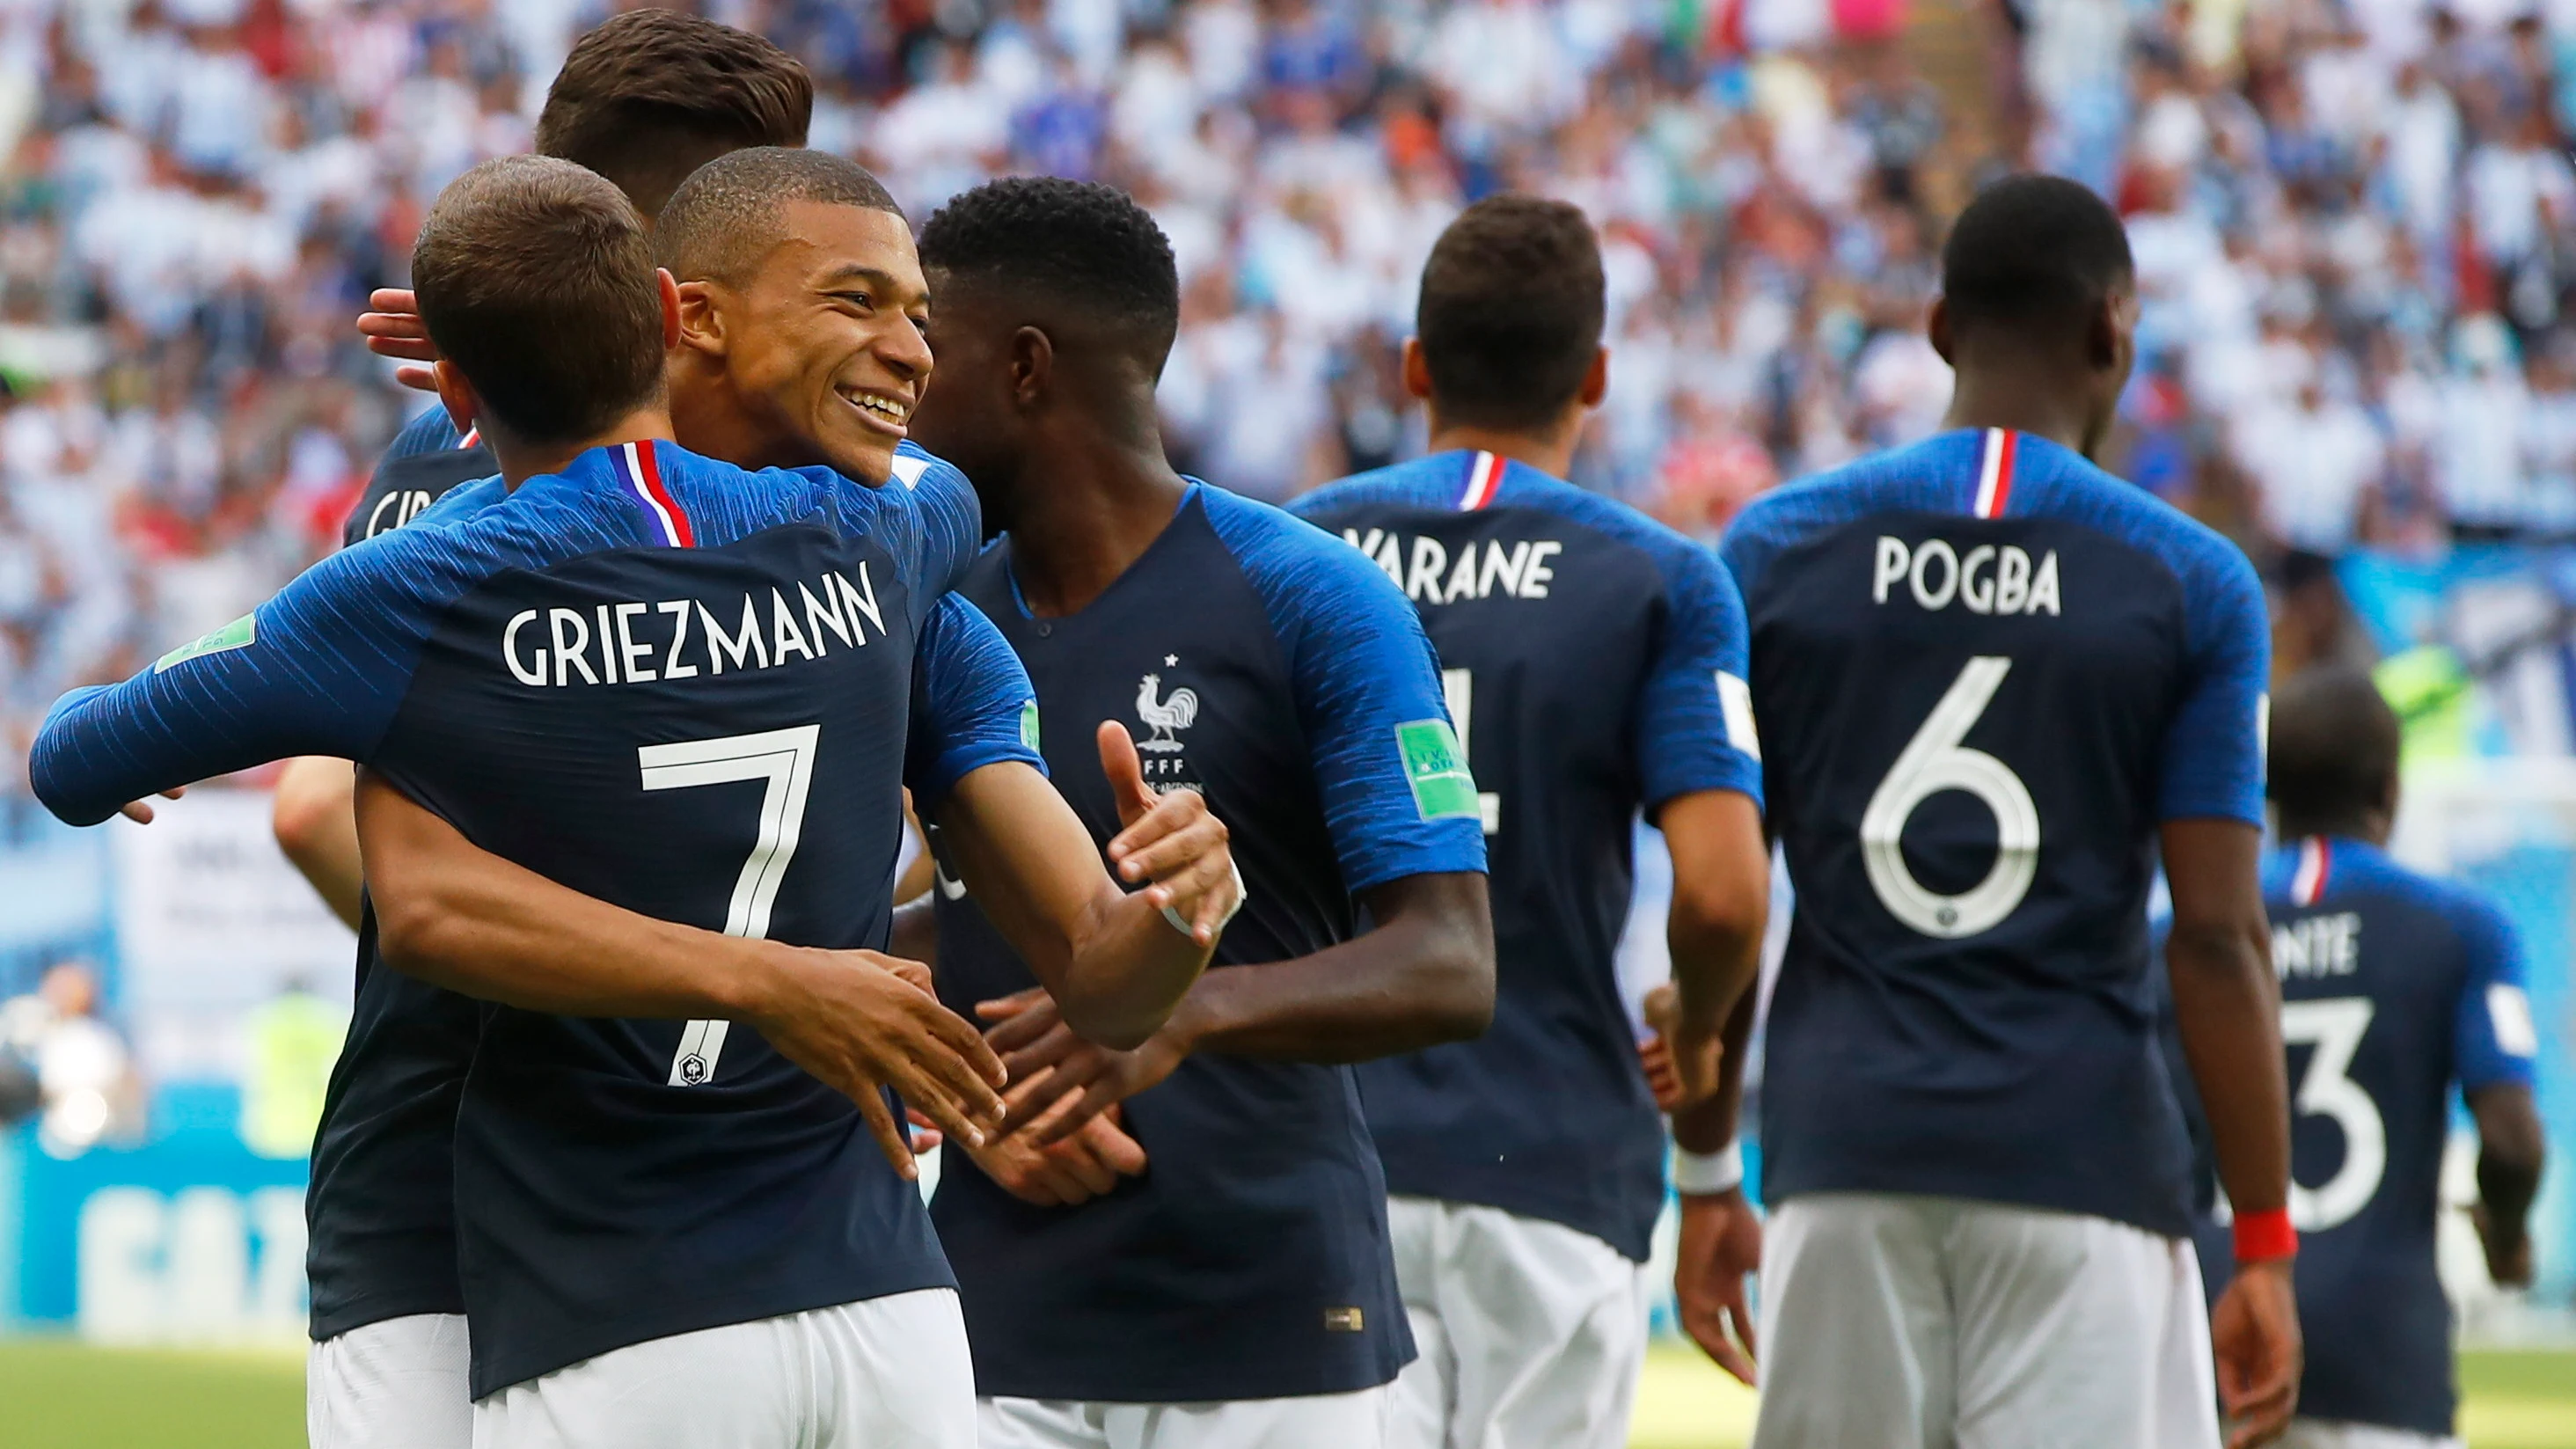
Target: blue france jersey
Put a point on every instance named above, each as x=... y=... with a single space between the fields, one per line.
x=1986 y=671
x=2395 y=989
x=681 y=688
x=1262 y=662
x=1594 y=664
x=424 y=461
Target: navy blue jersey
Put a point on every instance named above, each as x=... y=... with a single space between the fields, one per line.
x=1986 y=671
x=681 y=688
x=423 y=462
x=2395 y=990
x=1594 y=664
x=1260 y=661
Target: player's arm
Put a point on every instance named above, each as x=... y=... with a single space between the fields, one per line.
x=2226 y=1000
x=317 y=670
x=1113 y=962
x=2494 y=1047
x=1721 y=1236
x=313 y=816
x=457 y=916
x=1408 y=834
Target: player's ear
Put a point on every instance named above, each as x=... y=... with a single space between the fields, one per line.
x=670 y=294
x=1937 y=327
x=1032 y=365
x=456 y=394
x=701 y=321
x=1596 y=380
x=1417 y=370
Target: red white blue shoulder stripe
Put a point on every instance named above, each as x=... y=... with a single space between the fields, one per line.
x=1484 y=480
x=640 y=474
x=2315 y=868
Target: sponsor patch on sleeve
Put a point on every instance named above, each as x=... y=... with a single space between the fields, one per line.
x=1029 y=726
x=241 y=633
x=1735 y=701
x=1437 y=770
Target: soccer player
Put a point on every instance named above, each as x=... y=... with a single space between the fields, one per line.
x=2395 y=988
x=1992 y=681
x=643 y=99
x=641 y=670
x=1594 y=665
x=1240 y=1293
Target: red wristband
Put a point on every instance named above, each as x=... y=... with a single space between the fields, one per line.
x=2265 y=1235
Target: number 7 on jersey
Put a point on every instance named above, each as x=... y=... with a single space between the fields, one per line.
x=784 y=759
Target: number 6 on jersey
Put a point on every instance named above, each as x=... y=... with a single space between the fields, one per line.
x=784 y=758
x=1935 y=761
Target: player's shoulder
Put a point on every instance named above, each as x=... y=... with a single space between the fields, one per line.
x=2058 y=482
x=1291 y=559
x=1432 y=483
x=431 y=431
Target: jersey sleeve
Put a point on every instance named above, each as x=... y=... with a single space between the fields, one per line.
x=2212 y=767
x=2494 y=1040
x=430 y=432
x=971 y=704
x=952 y=517
x=1397 y=795
x=1695 y=716
x=317 y=670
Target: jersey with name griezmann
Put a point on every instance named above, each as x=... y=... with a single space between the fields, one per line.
x=1594 y=665
x=682 y=688
x=2396 y=989
x=1986 y=672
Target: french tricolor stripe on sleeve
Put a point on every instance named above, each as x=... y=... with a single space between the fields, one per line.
x=641 y=475
x=1484 y=480
x=2316 y=864
x=1995 y=472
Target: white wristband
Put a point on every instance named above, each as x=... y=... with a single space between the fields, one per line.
x=1181 y=923
x=1706 y=1174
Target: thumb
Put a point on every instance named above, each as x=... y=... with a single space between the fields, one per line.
x=1126 y=772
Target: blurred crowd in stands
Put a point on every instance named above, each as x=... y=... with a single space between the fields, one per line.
x=2355 y=223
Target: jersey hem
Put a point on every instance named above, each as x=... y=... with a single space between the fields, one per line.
x=1773 y=1194
x=355 y=1313
x=594 y=1336
x=1448 y=1183
x=991 y=1384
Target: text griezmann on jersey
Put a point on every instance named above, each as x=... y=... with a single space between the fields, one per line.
x=633 y=643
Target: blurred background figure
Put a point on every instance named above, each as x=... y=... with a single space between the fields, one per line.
x=83 y=1074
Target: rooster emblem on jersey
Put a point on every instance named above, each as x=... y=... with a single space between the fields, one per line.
x=1164 y=713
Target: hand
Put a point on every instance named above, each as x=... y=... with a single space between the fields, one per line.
x=394 y=329
x=1035 y=1043
x=2254 y=1331
x=140 y=811
x=1061 y=1174
x=1721 y=1245
x=1681 y=1061
x=1171 y=840
x=2508 y=1253
x=861 y=1021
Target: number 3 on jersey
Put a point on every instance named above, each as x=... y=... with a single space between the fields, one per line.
x=1935 y=761
x=2326 y=1089
x=783 y=758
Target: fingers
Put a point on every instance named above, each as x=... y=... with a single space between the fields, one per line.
x=1055 y=1049
x=925 y=1133
x=418 y=379
x=1025 y=1028
x=1168 y=816
x=138 y=811
x=1097 y=1097
x=972 y=1052
x=890 y=1139
x=912 y=973
x=1190 y=859
x=1126 y=772
x=394 y=299
x=404 y=349
x=1739 y=1316
x=1003 y=1008
x=1110 y=1143
x=1709 y=1332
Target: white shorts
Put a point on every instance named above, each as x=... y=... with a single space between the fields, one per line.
x=1895 y=1322
x=2337 y=1434
x=1314 y=1421
x=1531 y=1334
x=882 y=1373
x=394 y=1384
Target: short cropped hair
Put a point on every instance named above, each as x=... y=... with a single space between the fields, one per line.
x=1510 y=311
x=647 y=95
x=2035 y=255
x=2334 y=746
x=535 y=280
x=1073 y=245
x=725 y=219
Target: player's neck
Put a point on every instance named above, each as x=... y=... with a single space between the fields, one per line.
x=521 y=460
x=2025 y=395
x=1096 y=505
x=1553 y=456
